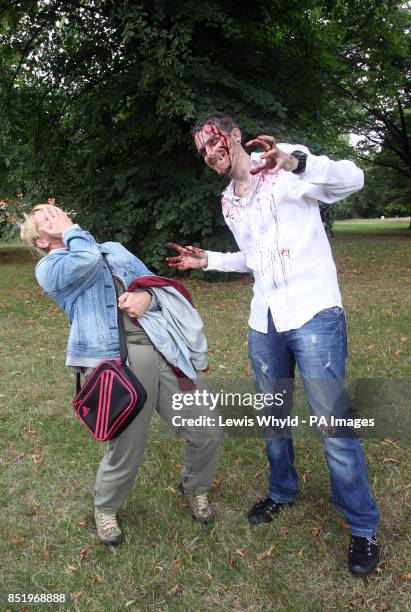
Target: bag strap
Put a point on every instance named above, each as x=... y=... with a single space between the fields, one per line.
x=120 y=327
x=120 y=320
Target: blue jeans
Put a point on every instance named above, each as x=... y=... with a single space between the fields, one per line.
x=319 y=348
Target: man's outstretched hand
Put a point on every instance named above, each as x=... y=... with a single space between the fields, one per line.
x=189 y=257
x=273 y=159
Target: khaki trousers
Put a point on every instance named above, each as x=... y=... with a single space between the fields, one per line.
x=121 y=461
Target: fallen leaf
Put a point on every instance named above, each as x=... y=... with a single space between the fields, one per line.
x=96 y=579
x=16 y=540
x=83 y=523
x=301 y=553
x=265 y=554
x=406 y=576
x=72 y=568
x=170 y=490
x=315 y=531
x=240 y=552
x=382 y=605
x=216 y=483
x=403 y=339
x=390 y=441
x=77 y=594
x=391 y=460
x=46 y=554
x=177 y=563
x=357 y=602
x=175 y=590
x=84 y=553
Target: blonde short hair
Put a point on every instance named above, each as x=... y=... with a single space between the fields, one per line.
x=28 y=229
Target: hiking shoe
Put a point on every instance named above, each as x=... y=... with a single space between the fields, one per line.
x=264 y=510
x=107 y=528
x=363 y=555
x=200 y=509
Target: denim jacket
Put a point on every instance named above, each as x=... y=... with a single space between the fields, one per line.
x=79 y=271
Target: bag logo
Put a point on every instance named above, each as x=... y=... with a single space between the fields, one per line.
x=86 y=410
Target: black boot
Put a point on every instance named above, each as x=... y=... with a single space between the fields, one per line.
x=264 y=510
x=363 y=555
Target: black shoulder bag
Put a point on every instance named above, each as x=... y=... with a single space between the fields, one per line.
x=112 y=396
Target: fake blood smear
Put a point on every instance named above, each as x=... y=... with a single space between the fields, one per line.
x=283 y=254
x=214 y=131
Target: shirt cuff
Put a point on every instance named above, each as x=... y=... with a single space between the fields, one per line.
x=214 y=261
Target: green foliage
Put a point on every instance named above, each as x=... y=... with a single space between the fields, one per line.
x=11 y=213
x=98 y=98
x=327 y=215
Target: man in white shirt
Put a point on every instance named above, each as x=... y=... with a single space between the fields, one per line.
x=271 y=206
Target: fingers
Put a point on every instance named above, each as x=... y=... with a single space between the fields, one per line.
x=270 y=161
x=122 y=298
x=269 y=139
x=264 y=141
x=177 y=247
x=53 y=213
x=179 y=265
x=258 y=143
x=258 y=169
x=135 y=304
x=174 y=260
x=271 y=158
x=195 y=250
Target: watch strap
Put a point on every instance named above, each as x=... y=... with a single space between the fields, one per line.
x=302 y=161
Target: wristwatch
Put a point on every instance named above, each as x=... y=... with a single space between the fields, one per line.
x=302 y=160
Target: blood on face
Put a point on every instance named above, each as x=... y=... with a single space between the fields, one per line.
x=211 y=142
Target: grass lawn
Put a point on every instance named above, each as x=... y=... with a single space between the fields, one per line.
x=390 y=228
x=167 y=562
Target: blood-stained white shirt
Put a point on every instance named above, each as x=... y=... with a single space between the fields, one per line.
x=279 y=231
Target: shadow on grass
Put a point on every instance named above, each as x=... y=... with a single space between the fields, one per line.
x=16 y=253
x=392 y=235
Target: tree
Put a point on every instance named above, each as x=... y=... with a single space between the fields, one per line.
x=98 y=97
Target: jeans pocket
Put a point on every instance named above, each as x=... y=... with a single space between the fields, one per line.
x=334 y=312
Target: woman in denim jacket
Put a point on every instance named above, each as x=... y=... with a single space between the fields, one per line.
x=72 y=271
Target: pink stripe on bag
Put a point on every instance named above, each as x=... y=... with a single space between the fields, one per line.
x=105 y=406
x=105 y=380
x=109 y=389
x=100 y=399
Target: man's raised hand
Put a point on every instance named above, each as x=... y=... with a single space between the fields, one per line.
x=189 y=257
x=273 y=159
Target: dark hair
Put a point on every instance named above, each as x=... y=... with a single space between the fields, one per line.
x=220 y=120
